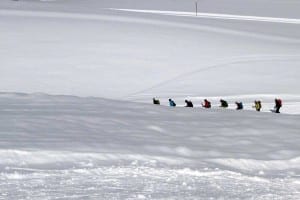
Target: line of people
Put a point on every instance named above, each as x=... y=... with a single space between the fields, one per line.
x=224 y=104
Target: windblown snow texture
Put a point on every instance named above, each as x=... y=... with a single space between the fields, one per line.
x=67 y=147
x=70 y=147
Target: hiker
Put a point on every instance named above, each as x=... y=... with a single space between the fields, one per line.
x=239 y=105
x=156 y=101
x=206 y=104
x=188 y=103
x=257 y=105
x=224 y=104
x=278 y=105
x=172 y=103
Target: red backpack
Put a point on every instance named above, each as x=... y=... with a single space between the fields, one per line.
x=207 y=104
x=279 y=102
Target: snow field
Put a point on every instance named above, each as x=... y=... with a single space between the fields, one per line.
x=143 y=182
x=85 y=51
x=70 y=147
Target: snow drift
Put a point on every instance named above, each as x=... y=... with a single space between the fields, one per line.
x=70 y=147
x=66 y=141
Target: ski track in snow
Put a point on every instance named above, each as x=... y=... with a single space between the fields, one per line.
x=66 y=147
x=127 y=19
x=220 y=64
x=173 y=13
x=216 y=16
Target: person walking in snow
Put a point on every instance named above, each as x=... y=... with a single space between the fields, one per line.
x=156 y=101
x=172 y=103
x=257 y=105
x=188 y=103
x=224 y=104
x=206 y=104
x=278 y=105
x=239 y=105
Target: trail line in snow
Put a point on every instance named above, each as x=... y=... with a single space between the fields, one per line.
x=221 y=64
x=137 y=20
x=216 y=16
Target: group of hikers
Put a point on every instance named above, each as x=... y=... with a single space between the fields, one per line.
x=224 y=104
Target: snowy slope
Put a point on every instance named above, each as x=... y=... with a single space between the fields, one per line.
x=70 y=147
x=88 y=48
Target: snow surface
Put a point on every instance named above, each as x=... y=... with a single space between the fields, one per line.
x=89 y=48
x=70 y=147
x=66 y=147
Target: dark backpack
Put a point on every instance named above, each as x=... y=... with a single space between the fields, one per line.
x=208 y=104
x=189 y=104
x=156 y=101
x=172 y=103
x=239 y=106
x=224 y=104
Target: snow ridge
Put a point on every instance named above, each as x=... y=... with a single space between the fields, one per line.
x=216 y=16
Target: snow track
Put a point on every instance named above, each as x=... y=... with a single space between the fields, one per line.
x=216 y=16
x=227 y=63
x=70 y=147
x=173 y=13
x=190 y=55
x=62 y=15
x=145 y=21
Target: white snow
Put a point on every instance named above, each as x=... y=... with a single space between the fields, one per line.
x=70 y=147
x=217 y=16
x=85 y=49
x=77 y=80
